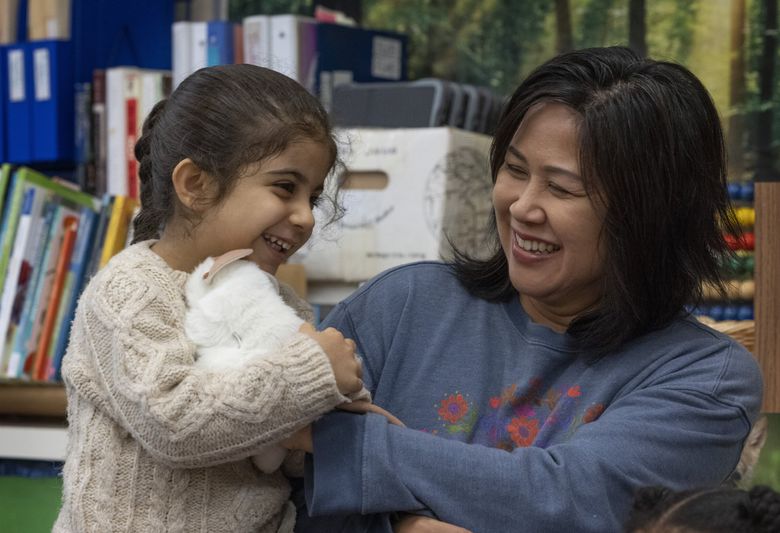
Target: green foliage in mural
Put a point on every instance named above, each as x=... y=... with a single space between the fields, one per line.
x=498 y=42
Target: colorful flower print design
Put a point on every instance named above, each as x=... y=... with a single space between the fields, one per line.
x=516 y=417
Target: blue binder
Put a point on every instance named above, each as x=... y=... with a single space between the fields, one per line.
x=19 y=103
x=53 y=101
x=111 y=34
x=368 y=55
x=219 y=49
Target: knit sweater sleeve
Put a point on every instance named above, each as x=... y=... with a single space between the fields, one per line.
x=129 y=355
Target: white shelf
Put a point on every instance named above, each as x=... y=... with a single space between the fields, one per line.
x=35 y=442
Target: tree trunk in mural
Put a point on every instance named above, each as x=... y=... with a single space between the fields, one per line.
x=563 y=39
x=636 y=27
x=765 y=164
x=736 y=124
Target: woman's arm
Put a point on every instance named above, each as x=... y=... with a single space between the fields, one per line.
x=679 y=438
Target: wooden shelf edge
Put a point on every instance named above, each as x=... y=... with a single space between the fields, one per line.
x=33 y=399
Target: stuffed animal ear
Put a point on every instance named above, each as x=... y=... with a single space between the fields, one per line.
x=224 y=260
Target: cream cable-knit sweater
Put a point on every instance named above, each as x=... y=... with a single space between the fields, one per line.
x=156 y=444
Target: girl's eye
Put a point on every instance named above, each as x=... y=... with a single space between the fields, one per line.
x=287 y=186
x=314 y=201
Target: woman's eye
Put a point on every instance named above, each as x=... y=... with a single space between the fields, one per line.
x=557 y=189
x=518 y=171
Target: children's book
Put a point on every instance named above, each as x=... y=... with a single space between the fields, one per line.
x=5 y=178
x=31 y=324
x=116 y=233
x=74 y=284
x=22 y=180
x=107 y=203
x=20 y=268
x=40 y=363
x=15 y=341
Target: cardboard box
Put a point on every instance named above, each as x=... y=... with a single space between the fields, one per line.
x=406 y=192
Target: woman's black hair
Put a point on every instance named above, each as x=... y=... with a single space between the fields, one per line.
x=224 y=118
x=716 y=510
x=652 y=149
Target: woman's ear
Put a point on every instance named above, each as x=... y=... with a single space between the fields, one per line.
x=192 y=184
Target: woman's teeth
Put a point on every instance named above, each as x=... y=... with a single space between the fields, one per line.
x=536 y=246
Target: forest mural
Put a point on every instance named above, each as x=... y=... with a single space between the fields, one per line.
x=730 y=44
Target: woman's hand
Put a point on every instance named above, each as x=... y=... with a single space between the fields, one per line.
x=341 y=353
x=423 y=524
x=300 y=440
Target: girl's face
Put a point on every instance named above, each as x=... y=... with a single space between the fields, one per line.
x=547 y=223
x=269 y=209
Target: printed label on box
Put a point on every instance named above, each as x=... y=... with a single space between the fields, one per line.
x=386 y=58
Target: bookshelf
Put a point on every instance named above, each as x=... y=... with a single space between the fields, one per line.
x=32 y=421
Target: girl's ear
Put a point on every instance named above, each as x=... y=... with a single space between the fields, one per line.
x=192 y=184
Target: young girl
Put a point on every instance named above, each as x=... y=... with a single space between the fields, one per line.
x=715 y=510
x=235 y=158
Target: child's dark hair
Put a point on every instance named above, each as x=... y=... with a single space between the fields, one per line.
x=223 y=118
x=716 y=510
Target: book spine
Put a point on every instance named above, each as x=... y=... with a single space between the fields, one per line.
x=41 y=362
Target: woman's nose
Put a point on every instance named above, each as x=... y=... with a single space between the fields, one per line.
x=528 y=207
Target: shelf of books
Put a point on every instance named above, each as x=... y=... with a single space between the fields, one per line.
x=52 y=239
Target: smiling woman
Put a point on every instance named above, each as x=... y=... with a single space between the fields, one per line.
x=548 y=225
x=541 y=386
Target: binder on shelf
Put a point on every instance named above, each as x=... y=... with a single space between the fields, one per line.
x=19 y=104
x=121 y=118
x=257 y=40
x=199 y=46
x=181 y=36
x=112 y=34
x=294 y=47
x=219 y=47
x=350 y=54
x=53 y=101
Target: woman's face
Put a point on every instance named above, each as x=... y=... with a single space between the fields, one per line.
x=548 y=225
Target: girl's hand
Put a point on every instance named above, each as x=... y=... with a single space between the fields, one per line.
x=423 y=524
x=341 y=352
x=300 y=440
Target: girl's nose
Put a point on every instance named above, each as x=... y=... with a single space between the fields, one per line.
x=302 y=215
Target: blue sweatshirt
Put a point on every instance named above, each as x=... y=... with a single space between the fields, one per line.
x=509 y=427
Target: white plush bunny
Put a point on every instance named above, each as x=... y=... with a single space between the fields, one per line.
x=235 y=314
